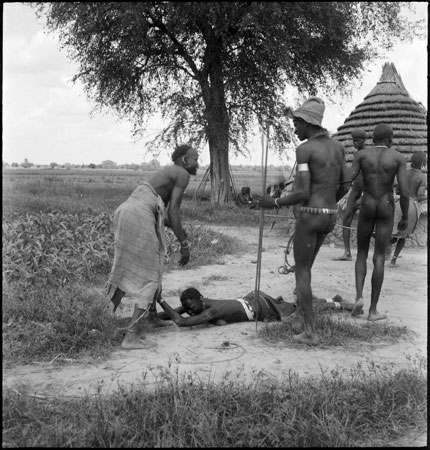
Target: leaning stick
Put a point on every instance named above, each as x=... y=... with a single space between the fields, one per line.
x=264 y=154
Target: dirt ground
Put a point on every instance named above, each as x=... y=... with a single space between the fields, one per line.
x=235 y=351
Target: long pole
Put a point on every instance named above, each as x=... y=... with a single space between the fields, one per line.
x=264 y=156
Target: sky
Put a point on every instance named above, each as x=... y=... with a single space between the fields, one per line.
x=47 y=118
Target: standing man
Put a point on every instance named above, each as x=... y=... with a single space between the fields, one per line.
x=353 y=203
x=139 y=241
x=379 y=166
x=319 y=184
x=416 y=181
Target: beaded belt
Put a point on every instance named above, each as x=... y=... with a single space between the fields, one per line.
x=250 y=313
x=308 y=209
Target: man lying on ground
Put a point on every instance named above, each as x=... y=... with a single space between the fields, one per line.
x=221 y=312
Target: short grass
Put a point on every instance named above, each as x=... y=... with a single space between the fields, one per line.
x=337 y=409
x=334 y=330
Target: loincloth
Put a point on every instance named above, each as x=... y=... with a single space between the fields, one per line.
x=311 y=210
x=264 y=307
x=139 y=245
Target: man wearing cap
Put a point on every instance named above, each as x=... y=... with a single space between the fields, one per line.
x=379 y=165
x=321 y=181
x=353 y=203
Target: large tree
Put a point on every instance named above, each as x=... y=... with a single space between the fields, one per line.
x=215 y=69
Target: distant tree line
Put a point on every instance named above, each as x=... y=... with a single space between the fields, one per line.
x=108 y=164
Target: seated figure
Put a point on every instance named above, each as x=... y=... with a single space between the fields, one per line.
x=244 y=197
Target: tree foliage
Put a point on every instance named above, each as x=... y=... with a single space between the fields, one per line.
x=215 y=69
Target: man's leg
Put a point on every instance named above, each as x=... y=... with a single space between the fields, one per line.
x=346 y=232
x=351 y=208
x=116 y=298
x=140 y=321
x=399 y=247
x=364 y=233
x=382 y=240
x=132 y=338
x=305 y=244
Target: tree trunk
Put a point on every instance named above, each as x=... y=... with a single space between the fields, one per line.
x=219 y=163
x=218 y=125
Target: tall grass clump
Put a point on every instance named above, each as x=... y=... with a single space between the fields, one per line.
x=43 y=324
x=346 y=409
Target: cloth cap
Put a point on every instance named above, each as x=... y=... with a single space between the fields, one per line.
x=358 y=133
x=311 y=111
x=382 y=131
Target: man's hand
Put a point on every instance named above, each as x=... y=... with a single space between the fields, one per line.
x=403 y=224
x=342 y=203
x=263 y=201
x=185 y=256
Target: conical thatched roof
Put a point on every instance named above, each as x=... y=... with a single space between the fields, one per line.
x=389 y=102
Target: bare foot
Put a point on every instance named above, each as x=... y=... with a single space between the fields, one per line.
x=358 y=307
x=344 y=257
x=295 y=320
x=393 y=263
x=135 y=341
x=373 y=317
x=305 y=338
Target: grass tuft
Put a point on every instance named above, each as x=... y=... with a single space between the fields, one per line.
x=334 y=329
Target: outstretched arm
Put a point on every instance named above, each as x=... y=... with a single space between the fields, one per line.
x=164 y=316
x=302 y=184
x=204 y=317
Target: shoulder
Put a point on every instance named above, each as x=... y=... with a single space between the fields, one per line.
x=397 y=153
x=177 y=172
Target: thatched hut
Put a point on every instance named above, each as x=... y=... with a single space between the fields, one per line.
x=389 y=102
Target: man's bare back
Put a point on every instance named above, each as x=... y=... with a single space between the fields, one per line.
x=379 y=165
x=326 y=162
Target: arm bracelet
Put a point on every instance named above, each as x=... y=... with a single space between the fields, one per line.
x=185 y=243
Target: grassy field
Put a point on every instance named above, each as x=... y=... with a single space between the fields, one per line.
x=57 y=251
x=40 y=190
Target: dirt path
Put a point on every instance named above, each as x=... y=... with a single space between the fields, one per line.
x=203 y=353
